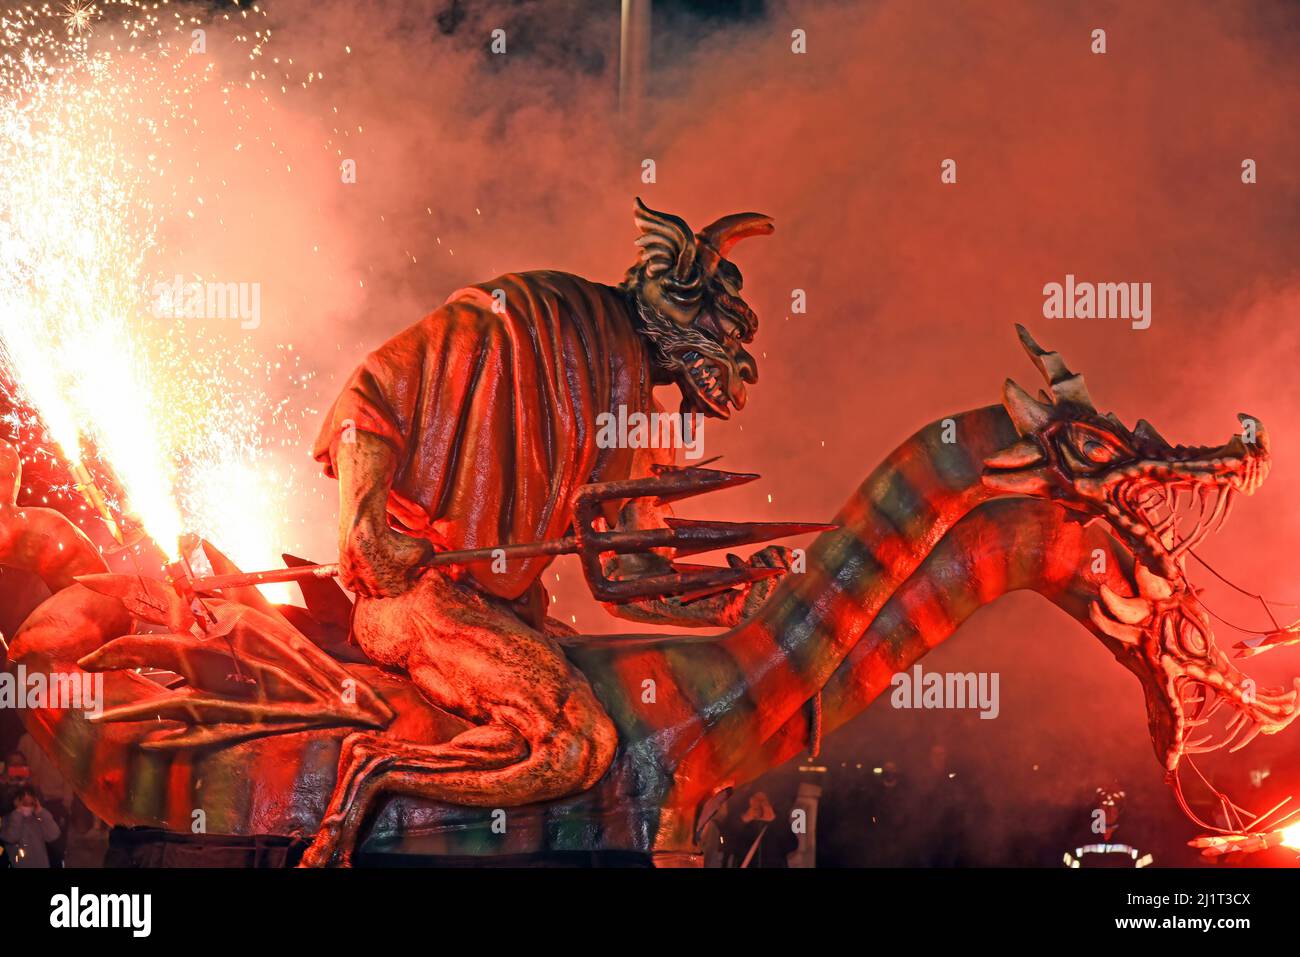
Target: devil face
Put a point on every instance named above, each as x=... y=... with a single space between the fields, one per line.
x=689 y=307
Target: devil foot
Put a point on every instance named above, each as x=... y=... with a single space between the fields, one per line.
x=327 y=848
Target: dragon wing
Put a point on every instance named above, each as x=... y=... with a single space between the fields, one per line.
x=247 y=674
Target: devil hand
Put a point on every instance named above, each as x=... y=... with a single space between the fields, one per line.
x=757 y=593
x=381 y=563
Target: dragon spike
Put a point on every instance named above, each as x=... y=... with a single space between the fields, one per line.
x=1261 y=434
x=691 y=537
x=1145 y=431
x=1027 y=413
x=1064 y=385
x=326 y=600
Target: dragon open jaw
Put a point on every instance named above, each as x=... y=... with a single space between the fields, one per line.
x=1167 y=501
x=1160 y=501
x=1168 y=644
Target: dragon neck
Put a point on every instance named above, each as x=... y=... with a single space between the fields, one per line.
x=1002 y=546
x=896 y=518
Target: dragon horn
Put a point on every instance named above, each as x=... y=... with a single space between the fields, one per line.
x=1063 y=384
x=1027 y=413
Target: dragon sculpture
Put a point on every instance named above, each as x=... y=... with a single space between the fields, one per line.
x=264 y=718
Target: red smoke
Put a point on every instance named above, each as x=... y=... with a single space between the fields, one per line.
x=1122 y=167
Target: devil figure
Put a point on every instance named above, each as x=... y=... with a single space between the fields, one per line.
x=473 y=428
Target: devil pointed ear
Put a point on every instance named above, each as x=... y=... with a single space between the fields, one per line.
x=1064 y=385
x=1028 y=415
x=667 y=246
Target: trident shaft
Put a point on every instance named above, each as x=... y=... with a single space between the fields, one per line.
x=683 y=536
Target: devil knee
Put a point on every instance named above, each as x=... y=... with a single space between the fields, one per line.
x=595 y=739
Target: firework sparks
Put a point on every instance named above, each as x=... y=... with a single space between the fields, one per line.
x=95 y=120
x=78 y=14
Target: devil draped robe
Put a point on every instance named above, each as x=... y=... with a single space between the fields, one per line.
x=490 y=406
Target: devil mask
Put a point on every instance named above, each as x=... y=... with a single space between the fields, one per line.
x=688 y=305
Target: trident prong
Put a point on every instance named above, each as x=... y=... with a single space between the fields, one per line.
x=684 y=536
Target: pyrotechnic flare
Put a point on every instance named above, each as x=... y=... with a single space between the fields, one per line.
x=100 y=105
x=1217 y=845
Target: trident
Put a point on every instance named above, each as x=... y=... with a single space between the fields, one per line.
x=684 y=536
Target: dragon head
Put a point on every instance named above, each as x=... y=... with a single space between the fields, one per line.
x=1160 y=501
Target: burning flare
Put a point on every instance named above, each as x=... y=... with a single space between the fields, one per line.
x=100 y=106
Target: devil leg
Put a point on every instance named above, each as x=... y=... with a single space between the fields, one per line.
x=369 y=759
x=491 y=765
x=540 y=731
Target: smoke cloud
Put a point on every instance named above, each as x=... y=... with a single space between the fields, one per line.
x=1122 y=167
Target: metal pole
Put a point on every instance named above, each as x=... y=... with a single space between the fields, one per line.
x=634 y=58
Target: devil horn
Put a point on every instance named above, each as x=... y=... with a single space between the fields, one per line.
x=723 y=234
x=1064 y=384
x=666 y=243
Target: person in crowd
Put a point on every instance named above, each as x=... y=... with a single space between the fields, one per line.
x=758 y=838
x=57 y=796
x=27 y=830
x=713 y=838
x=16 y=775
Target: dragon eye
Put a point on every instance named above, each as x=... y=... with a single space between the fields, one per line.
x=1097 y=452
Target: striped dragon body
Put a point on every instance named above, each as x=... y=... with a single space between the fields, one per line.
x=923 y=543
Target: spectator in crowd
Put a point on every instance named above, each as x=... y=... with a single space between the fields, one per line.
x=16 y=775
x=758 y=838
x=713 y=838
x=57 y=796
x=27 y=830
